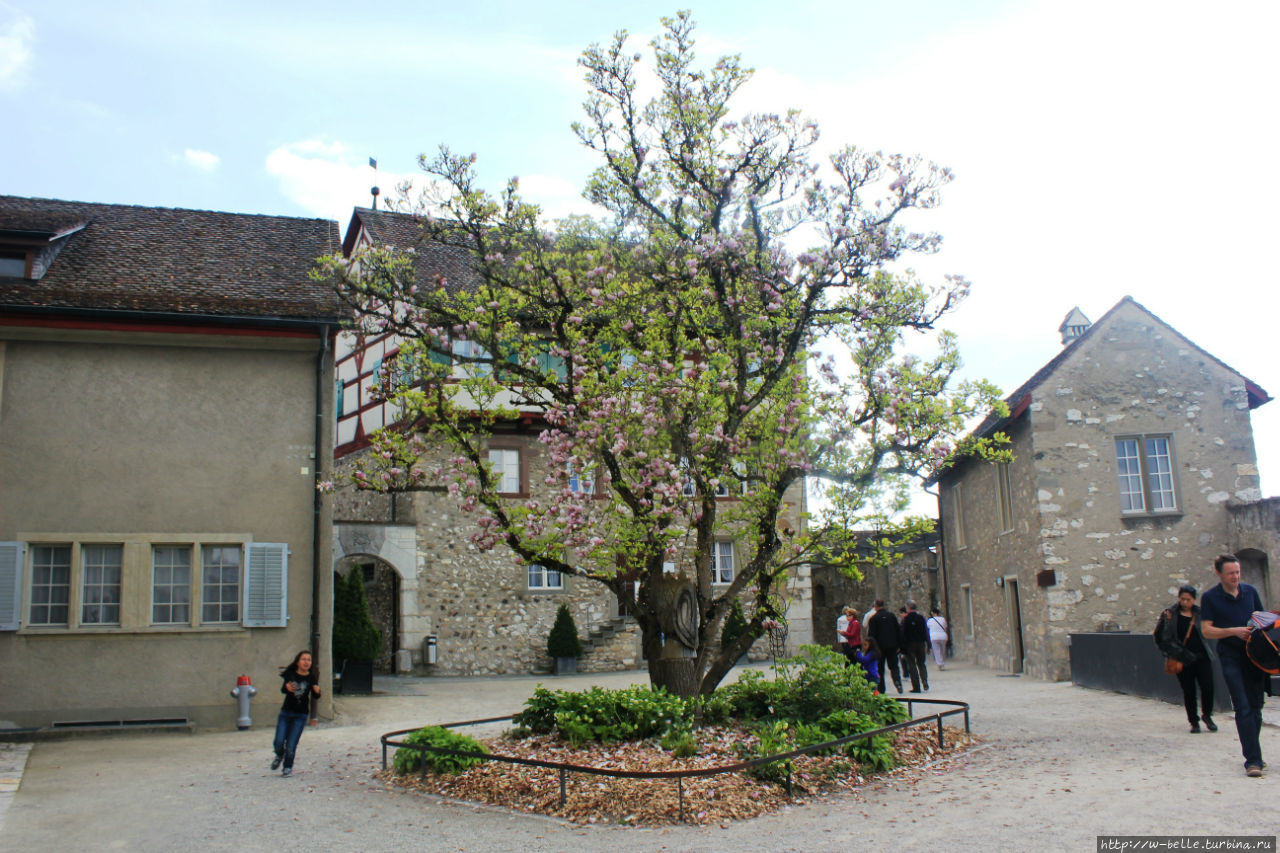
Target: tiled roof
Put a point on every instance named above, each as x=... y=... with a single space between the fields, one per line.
x=172 y=261
x=403 y=231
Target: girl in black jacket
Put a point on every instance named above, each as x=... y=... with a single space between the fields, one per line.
x=1178 y=636
x=300 y=688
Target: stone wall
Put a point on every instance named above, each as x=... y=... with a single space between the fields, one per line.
x=912 y=577
x=1255 y=535
x=1131 y=376
x=991 y=565
x=478 y=604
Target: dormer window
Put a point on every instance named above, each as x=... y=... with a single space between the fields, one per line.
x=30 y=242
x=13 y=264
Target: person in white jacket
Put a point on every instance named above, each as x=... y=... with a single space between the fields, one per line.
x=938 y=637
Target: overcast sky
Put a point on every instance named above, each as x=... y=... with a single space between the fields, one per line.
x=1101 y=147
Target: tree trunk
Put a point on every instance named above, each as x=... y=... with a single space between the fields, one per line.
x=678 y=676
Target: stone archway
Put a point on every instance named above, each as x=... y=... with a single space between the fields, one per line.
x=382 y=592
x=391 y=551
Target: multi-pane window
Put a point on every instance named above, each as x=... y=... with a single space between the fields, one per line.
x=506 y=467
x=465 y=351
x=220 y=587
x=1144 y=466
x=100 y=596
x=722 y=562
x=100 y=586
x=171 y=584
x=541 y=577
x=582 y=483
x=50 y=584
x=1006 y=496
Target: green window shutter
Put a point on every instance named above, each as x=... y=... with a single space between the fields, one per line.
x=10 y=585
x=266 y=586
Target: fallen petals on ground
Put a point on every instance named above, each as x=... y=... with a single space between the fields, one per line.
x=706 y=799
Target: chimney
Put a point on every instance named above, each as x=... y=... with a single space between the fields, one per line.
x=1075 y=325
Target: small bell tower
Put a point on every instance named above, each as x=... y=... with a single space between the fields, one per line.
x=1075 y=325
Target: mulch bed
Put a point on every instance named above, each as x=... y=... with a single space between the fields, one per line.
x=707 y=799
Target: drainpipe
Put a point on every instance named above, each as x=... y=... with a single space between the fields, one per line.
x=317 y=497
x=942 y=565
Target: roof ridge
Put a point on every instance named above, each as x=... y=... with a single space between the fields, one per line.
x=119 y=205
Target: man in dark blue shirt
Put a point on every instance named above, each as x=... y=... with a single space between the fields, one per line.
x=1224 y=616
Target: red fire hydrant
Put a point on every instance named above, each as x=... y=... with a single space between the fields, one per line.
x=243 y=692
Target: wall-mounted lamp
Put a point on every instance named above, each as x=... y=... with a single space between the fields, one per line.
x=999 y=583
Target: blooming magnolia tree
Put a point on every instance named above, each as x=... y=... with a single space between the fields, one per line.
x=667 y=351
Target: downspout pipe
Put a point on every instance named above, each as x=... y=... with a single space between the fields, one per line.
x=317 y=496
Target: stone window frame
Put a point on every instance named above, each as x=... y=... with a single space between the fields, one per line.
x=262 y=584
x=174 y=587
x=522 y=463
x=1004 y=493
x=957 y=511
x=545 y=572
x=101 y=577
x=718 y=550
x=1139 y=441
x=966 y=593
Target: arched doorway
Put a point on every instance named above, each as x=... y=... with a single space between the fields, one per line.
x=382 y=591
x=392 y=581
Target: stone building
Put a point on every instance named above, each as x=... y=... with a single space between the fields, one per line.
x=1133 y=467
x=486 y=612
x=911 y=576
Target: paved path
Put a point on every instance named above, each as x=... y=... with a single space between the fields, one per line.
x=1059 y=765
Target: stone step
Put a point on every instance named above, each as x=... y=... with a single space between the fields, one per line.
x=605 y=631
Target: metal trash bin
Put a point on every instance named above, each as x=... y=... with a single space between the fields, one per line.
x=429 y=649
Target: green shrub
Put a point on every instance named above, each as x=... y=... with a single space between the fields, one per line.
x=773 y=739
x=680 y=742
x=409 y=760
x=563 y=640
x=874 y=753
x=713 y=709
x=354 y=635
x=809 y=687
x=603 y=715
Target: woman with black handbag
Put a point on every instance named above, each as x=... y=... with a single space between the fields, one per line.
x=1186 y=656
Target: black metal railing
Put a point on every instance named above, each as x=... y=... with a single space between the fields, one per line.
x=564 y=768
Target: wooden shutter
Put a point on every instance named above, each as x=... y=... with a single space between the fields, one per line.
x=10 y=585
x=266 y=585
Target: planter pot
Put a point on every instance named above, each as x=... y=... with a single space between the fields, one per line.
x=357 y=678
x=566 y=666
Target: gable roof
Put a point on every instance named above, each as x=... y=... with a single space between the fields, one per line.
x=168 y=261
x=1020 y=399
x=404 y=231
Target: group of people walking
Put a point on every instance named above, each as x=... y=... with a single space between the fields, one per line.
x=1226 y=614
x=885 y=644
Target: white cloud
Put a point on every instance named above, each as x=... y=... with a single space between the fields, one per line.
x=17 y=37
x=326 y=179
x=556 y=196
x=202 y=160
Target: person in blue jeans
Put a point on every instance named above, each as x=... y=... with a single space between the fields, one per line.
x=300 y=688
x=1224 y=616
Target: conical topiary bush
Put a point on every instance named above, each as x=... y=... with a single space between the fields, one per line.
x=562 y=643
